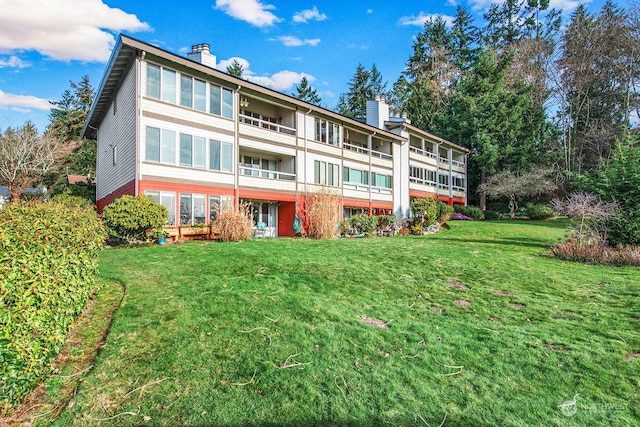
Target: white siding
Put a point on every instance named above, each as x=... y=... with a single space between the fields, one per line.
x=118 y=130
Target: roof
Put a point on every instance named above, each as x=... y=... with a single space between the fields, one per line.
x=123 y=57
x=416 y=130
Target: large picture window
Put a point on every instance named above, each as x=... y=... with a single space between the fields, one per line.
x=327 y=132
x=355 y=176
x=166 y=199
x=192 y=209
x=380 y=180
x=153 y=81
x=219 y=204
x=168 y=91
x=220 y=156
x=326 y=173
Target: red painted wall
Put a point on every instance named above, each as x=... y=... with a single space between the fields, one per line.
x=128 y=188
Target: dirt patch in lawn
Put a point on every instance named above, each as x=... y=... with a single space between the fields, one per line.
x=374 y=322
x=501 y=293
x=555 y=347
x=456 y=284
x=462 y=303
x=632 y=356
x=516 y=306
x=494 y=319
x=437 y=310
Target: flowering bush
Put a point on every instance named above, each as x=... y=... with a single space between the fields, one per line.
x=461 y=216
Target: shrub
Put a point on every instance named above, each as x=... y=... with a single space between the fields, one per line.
x=129 y=217
x=385 y=223
x=491 y=215
x=323 y=214
x=539 y=211
x=47 y=272
x=425 y=211
x=71 y=200
x=470 y=211
x=443 y=212
x=363 y=223
x=235 y=226
x=460 y=216
x=597 y=253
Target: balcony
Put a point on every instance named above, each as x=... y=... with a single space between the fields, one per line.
x=366 y=151
x=422 y=152
x=266 y=174
x=266 y=124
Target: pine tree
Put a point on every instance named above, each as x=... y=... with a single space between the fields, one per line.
x=354 y=103
x=235 y=69
x=305 y=92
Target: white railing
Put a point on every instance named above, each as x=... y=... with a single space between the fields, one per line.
x=366 y=151
x=422 y=181
x=423 y=152
x=364 y=187
x=265 y=173
x=264 y=124
x=457 y=163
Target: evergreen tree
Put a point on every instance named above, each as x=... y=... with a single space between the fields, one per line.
x=364 y=85
x=235 y=69
x=305 y=92
x=67 y=118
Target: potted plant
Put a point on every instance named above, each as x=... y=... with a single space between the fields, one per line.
x=160 y=236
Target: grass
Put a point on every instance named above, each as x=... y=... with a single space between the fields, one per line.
x=473 y=326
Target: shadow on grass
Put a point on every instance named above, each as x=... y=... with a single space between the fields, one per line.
x=560 y=223
x=516 y=243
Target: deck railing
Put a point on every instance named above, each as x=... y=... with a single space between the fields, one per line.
x=264 y=124
x=363 y=150
x=265 y=173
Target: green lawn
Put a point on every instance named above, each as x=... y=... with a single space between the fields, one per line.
x=473 y=326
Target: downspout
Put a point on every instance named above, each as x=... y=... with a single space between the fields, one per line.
x=236 y=160
x=466 y=179
x=138 y=168
x=370 y=147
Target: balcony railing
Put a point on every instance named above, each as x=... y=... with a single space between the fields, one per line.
x=422 y=181
x=365 y=187
x=457 y=163
x=423 y=152
x=264 y=124
x=267 y=174
x=366 y=151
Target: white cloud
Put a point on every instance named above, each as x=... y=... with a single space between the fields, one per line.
x=291 y=41
x=13 y=62
x=309 y=14
x=224 y=63
x=281 y=81
x=424 y=17
x=369 y=11
x=64 y=30
x=566 y=6
x=21 y=102
x=252 y=11
x=453 y=3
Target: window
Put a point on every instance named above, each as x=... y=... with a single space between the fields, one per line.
x=153 y=144
x=458 y=183
x=326 y=173
x=380 y=180
x=166 y=199
x=422 y=176
x=153 y=81
x=227 y=103
x=186 y=91
x=192 y=209
x=327 y=132
x=168 y=147
x=443 y=181
x=215 y=101
x=220 y=156
x=219 y=204
x=168 y=91
x=355 y=176
x=199 y=95
x=186 y=150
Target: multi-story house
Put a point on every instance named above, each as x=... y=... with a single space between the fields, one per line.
x=197 y=139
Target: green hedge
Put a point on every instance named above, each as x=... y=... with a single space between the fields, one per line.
x=48 y=262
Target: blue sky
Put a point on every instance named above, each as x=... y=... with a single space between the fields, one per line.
x=46 y=44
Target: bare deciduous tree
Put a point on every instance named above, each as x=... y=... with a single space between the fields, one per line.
x=588 y=213
x=514 y=187
x=25 y=157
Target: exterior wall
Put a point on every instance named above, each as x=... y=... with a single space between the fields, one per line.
x=295 y=153
x=118 y=132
